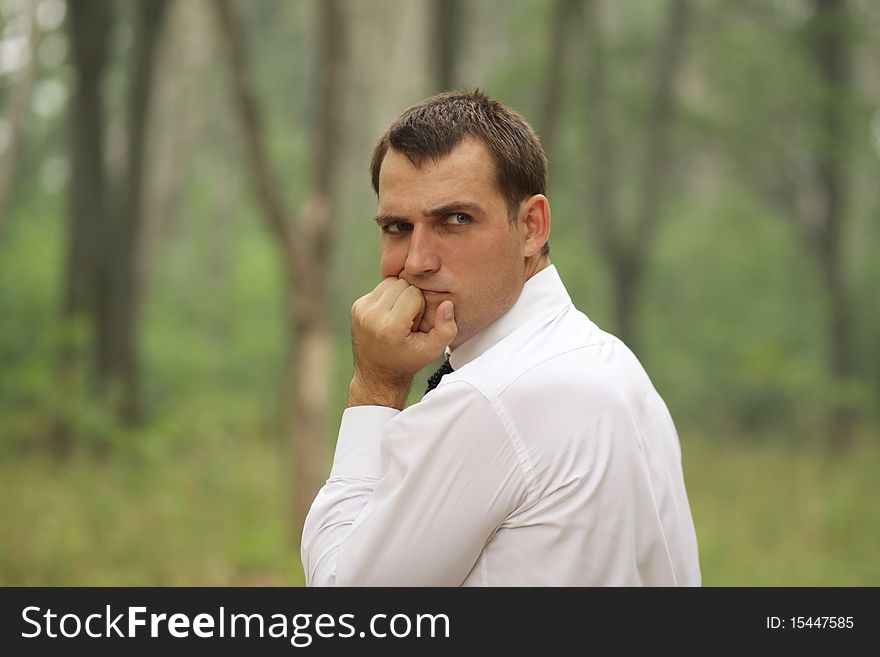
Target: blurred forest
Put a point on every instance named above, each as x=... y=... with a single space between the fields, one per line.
x=186 y=218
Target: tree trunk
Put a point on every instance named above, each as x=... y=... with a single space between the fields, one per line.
x=178 y=117
x=311 y=283
x=309 y=367
x=627 y=256
x=306 y=257
x=120 y=346
x=831 y=54
x=559 y=35
x=658 y=156
x=602 y=169
x=446 y=27
x=19 y=97
x=625 y=283
x=658 y=159
x=88 y=25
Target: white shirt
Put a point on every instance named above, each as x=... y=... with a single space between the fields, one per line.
x=546 y=459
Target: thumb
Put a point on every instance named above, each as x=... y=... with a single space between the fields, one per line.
x=445 y=329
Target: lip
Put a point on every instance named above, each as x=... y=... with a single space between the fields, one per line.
x=434 y=293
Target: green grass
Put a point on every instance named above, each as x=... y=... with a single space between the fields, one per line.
x=212 y=513
x=781 y=515
x=212 y=516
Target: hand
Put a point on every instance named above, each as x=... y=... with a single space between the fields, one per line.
x=387 y=352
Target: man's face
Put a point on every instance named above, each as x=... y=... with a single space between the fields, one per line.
x=445 y=230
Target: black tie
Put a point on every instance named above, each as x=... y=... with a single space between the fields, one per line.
x=434 y=379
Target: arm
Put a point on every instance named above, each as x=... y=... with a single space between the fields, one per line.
x=414 y=496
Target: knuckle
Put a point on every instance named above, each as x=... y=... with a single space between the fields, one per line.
x=383 y=331
x=359 y=305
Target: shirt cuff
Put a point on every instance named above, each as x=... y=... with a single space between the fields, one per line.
x=357 y=447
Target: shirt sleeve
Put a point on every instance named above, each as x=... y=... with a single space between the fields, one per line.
x=413 y=496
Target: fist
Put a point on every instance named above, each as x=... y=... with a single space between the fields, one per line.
x=386 y=348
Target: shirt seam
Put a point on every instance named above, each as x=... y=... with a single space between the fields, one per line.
x=553 y=357
x=526 y=466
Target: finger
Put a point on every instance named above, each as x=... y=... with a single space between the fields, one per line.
x=417 y=321
x=372 y=297
x=390 y=293
x=408 y=306
x=445 y=329
x=376 y=293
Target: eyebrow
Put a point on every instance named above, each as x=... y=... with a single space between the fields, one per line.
x=439 y=211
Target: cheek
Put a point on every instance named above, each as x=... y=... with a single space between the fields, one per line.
x=392 y=261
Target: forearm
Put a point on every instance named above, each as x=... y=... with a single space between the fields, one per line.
x=356 y=469
x=329 y=522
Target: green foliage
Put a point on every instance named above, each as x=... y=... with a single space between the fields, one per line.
x=215 y=321
x=30 y=258
x=720 y=334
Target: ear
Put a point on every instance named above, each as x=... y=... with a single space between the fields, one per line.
x=534 y=224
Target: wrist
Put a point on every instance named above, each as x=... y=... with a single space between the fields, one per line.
x=368 y=389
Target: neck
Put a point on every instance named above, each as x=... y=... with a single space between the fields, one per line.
x=532 y=266
x=535 y=264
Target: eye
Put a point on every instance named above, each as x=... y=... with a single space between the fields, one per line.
x=458 y=219
x=396 y=227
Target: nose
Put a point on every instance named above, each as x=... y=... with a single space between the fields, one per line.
x=421 y=258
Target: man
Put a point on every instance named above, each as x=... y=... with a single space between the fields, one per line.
x=543 y=456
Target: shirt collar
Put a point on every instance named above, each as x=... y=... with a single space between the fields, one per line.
x=543 y=294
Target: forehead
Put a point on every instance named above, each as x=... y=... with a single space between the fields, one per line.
x=466 y=173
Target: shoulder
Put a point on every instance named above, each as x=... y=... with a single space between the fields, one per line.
x=568 y=367
x=554 y=354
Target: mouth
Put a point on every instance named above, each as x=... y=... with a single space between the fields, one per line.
x=434 y=294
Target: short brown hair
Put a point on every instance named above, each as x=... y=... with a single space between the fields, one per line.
x=433 y=127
